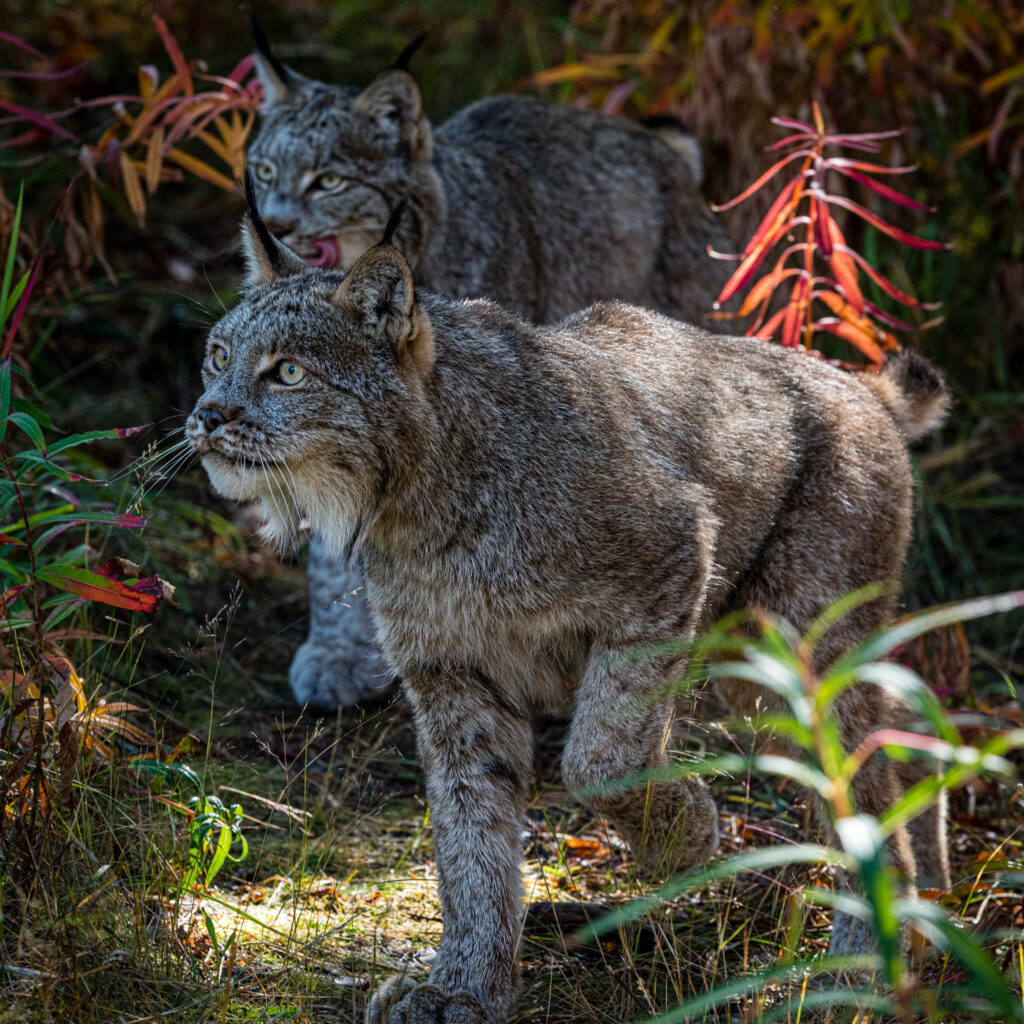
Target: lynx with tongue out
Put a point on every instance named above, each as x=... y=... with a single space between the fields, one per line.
x=328 y=253
x=543 y=207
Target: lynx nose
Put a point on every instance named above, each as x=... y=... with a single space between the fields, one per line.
x=211 y=417
x=279 y=226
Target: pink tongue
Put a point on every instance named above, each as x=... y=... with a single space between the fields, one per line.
x=328 y=254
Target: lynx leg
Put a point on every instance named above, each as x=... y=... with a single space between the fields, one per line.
x=617 y=731
x=477 y=751
x=340 y=663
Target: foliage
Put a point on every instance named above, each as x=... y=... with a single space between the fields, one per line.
x=48 y=723
x=854 y=318
x=141 y=144
x=885 y=982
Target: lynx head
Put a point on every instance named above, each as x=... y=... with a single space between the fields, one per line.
x=314 y=388
x=330 y=162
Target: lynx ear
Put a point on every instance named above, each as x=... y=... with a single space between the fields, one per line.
x=379 y=290
x=392 y=100
x=265 y=257
x=279 y=83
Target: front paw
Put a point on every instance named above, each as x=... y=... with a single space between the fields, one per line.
x=424 y=1004
x=338 y=675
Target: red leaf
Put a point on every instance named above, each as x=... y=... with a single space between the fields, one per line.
x=39 y=120
x=766 y=177
x=242 y=69
x=17 y=41
x=886 y=285
x=800 y=126
x=93 y=587
x=883 y=190
x=789 y=195
x=875 y=221
x=174 y=51
x=841 y=162
x=765 y=333
x=19 y=312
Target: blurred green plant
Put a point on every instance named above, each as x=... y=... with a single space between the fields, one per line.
x=885 y=983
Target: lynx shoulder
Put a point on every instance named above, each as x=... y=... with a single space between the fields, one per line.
x=534 y=503
x=542 y=206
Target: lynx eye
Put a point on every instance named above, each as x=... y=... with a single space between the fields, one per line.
x=265 y=172
x=329 y=182
x=219 y=357
x=290 y=373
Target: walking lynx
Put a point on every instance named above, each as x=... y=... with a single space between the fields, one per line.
x=543 y=207
x=531 y=505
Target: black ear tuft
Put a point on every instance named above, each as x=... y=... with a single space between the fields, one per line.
x=263 y=48
x=402 y=63
x=394 y=220
x=267 y=240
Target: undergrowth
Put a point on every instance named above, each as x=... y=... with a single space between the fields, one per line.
x=179 y=843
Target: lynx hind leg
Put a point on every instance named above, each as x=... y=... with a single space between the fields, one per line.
x=797 y=552
x=340 y=663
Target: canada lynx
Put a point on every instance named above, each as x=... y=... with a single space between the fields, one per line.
x=541 y=206
x=533 y=503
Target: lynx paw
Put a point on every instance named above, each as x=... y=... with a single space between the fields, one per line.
x=691 y=836
x=423 y=1004
x=328 y=676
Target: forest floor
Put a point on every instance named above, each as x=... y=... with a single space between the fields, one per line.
x=338 y=890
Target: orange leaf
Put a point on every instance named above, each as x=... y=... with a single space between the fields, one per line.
x=844 y=268
x=857 y=336
x=765 y=287
x=133 y=188
x=154 y=159
x=201 y=170
x=794 y=314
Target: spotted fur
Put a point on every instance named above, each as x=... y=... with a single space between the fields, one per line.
x=531 y=505
x=543 y=207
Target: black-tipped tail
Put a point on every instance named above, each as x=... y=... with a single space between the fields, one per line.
x=921 y=400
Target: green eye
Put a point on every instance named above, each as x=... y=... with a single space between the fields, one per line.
x=329 y=181
x=265 y=172
x=290 y=373
x=219 y=357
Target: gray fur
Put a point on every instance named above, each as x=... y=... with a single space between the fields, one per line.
x=542 y=207
x=531 y=504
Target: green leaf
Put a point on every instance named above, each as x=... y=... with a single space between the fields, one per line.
x=881 y=643
x=863 y=840
x=12 y=249
x=755 y=860
x=5 y=395
x=12 y=299
x=29 y=425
